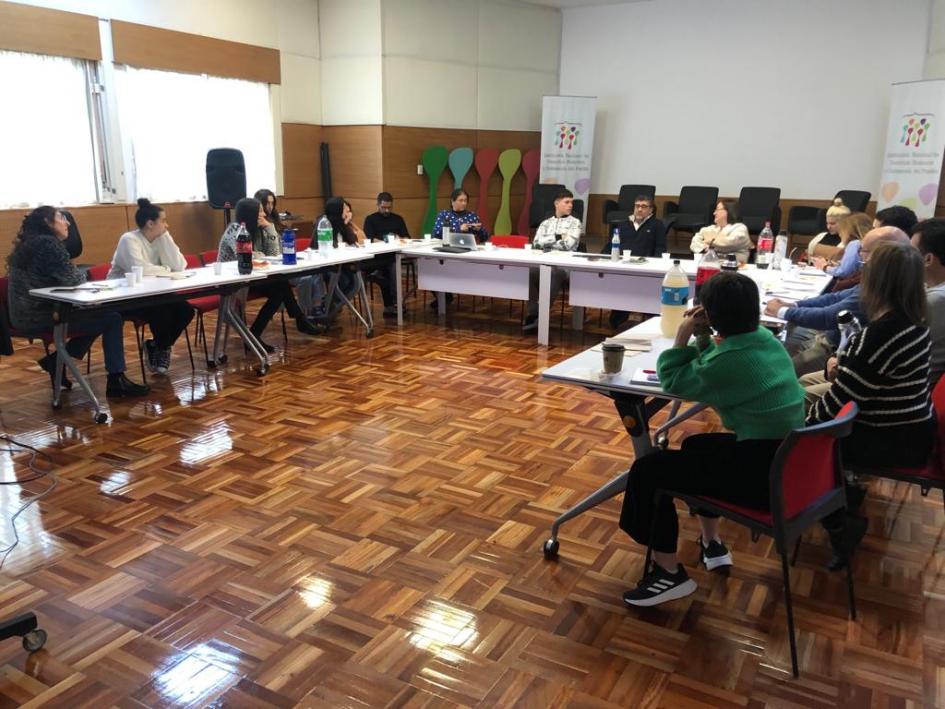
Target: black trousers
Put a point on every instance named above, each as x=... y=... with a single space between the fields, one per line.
x=559 y=277
x=277 y=293
x=166 y=321
x=381 y=268
x=713 y=464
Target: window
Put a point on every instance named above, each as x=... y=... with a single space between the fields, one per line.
x=46 y=140
x=171 y=120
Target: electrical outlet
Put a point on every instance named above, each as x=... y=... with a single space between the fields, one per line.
x=420 y=169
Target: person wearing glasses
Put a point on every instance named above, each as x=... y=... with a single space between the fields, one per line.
x=39 y=259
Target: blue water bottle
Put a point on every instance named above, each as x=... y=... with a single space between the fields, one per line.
x=288 y=247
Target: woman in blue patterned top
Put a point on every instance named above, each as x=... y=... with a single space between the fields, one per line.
x=457 y=218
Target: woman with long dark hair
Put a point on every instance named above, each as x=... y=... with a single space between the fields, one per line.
x=267 y=198
x=40 y=260
x=249 y=211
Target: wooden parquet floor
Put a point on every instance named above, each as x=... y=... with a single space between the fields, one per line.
x=364 y=528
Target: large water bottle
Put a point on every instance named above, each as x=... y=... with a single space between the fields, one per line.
x=323 y=234
x=708 y=267
x=765 y=247
x=781 y=259
x=288 y=247
x=849 y=326
x=615 y=246
x=674 y=298
x=244 y=251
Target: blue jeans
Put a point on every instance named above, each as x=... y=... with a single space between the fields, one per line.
x=110 y=326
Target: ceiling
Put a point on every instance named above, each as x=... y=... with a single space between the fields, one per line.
x=576 y=3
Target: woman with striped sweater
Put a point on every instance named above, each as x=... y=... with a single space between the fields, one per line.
x=885 y=370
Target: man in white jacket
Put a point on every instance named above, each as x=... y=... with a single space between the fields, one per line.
x=151 y=247
x=562 y=232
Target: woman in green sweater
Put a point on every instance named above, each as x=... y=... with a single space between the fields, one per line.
x=748 y=378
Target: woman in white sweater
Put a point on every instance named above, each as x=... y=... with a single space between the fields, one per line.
x=152 y=247
x=725 y=236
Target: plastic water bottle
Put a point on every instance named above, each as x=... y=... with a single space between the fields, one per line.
x=288 y=247
x=244 y=251
x=708 y=267
x=674 y=298
x=849 y=326
x=323 y=234
x=445 y=234
x=615 y=246
x=765 y=247
x=780 y=252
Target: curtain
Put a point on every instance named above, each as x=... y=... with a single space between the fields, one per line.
x=45 y=135
x=171 y=120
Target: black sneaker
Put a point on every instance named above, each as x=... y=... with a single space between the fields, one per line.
x=150 y=354
x=162 y=360
x=531 y=324
x=660 y=586
x=715 y=555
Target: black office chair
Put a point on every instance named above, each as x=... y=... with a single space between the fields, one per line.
x=808 y=221
x=620 y=210
x=74 y=240
x=694 y=209
x=543 y=203
x=757 y=205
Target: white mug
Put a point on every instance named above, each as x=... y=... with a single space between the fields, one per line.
x=139 y=273
x=666 y=254
x=130 y=279
x=217 y=268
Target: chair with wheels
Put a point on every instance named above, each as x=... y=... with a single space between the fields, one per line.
x=806 y=485
x=27 y=627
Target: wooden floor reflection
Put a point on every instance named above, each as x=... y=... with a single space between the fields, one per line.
x=363 y=527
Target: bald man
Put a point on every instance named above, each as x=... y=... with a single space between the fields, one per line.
x=820 y=313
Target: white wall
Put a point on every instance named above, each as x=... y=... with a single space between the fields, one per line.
x=935 y=61
x=787 y=93
x=468 y=63
x=351 y=65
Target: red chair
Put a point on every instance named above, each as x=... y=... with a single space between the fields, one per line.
x=930 y=476
x=302 y=244
x=806 y=485
x=202 y=305
x=99 y=272
x=208 y=257
x=509 y=241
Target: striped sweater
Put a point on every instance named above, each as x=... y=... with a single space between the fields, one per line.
x=885 y=370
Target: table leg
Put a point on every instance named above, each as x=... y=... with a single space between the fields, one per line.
x=441 y=304
x=634 y=412
x=577 y=317
x=219 y=339
x=544 y=303
x=249 y=338
x=398 y=278
x=64 y=360
x=332 y=285
x=368 y=318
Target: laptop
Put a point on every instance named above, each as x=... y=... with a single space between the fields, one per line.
x=459 y=243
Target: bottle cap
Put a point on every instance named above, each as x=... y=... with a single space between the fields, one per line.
x=844 y=317
x=675 y=261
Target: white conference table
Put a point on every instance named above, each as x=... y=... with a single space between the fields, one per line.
x=154 y=290
x=595 y=280
x=636 y=402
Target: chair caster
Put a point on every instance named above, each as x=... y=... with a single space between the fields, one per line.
x=223 y=359
x=662 y=442
x=550 y=550
x=100 y=417
x=370 y=333
x=56 y=405
x=261 y=371
x=211 y=364
x=34 y=640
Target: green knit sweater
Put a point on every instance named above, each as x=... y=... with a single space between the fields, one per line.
x=748 y=379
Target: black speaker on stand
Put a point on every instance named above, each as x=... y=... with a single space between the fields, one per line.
x=226 y=180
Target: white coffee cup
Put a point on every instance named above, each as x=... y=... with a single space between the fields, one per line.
x=527 y=247
x=427 y=237
x=130 y=279
x=666 y=255
x=139 y=273
x=627 y=254
x=217 y=268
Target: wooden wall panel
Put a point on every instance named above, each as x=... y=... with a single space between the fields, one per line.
x=300 y=160
x=194 y=225
x=100 y=226
x=356 y=160
x=402 y=150
x=158 y=48
x=24 y=28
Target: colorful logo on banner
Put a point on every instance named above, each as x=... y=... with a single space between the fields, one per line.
x=915 y=129
x=567 y=134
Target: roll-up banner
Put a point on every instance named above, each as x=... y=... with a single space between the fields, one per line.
x=567 y=143
x=915 y=142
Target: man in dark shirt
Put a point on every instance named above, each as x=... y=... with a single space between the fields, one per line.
x=384 y=221
x=642 y=235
